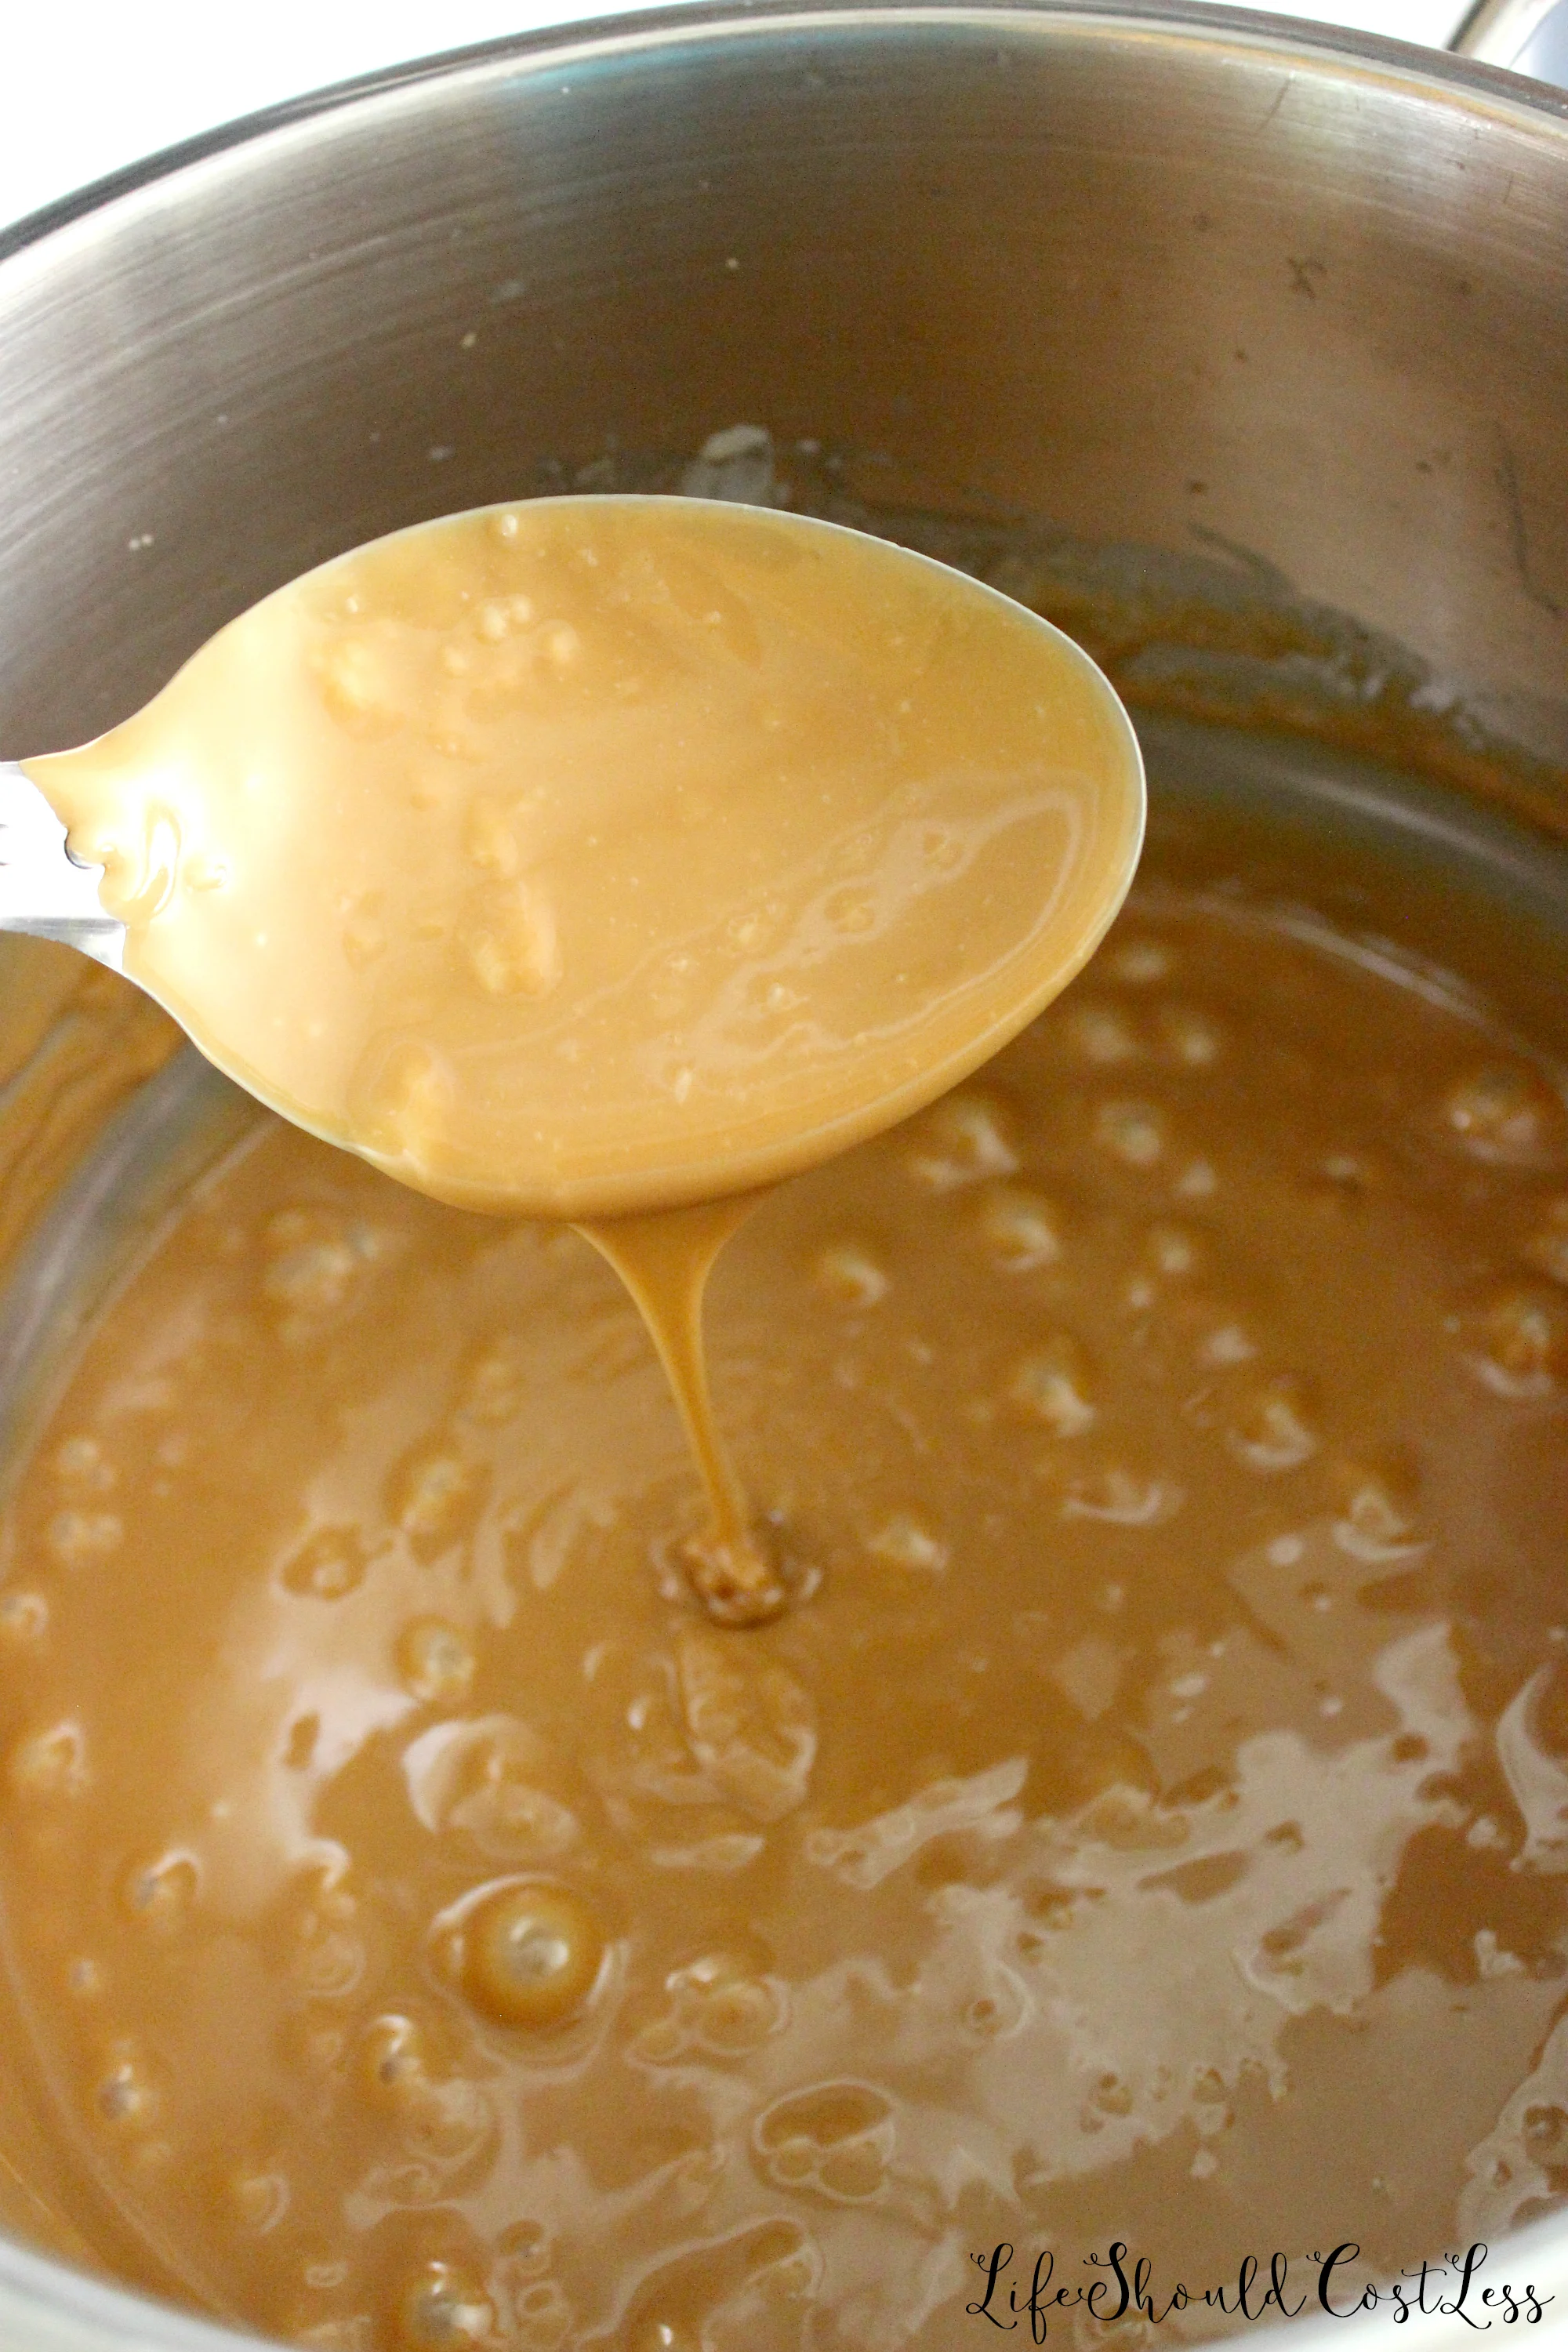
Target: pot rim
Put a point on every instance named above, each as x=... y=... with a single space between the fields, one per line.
x=61 y=2308
x=1205 y=21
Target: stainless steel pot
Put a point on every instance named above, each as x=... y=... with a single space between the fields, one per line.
x=1208 y=329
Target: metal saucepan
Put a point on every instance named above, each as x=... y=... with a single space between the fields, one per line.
x=1241 y=346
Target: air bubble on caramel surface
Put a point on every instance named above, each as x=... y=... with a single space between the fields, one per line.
x=496 y=1382
x=728 y=2008
x=1515 y=1342
x=436 y=1660
x=23 y=1618
x=482 y=1778
x=966 y=1138
x=1121 y=1499
x=1052 y=1385
x=1274 y=1427
x=1102 y=1035
x=1546 y=1249
x=526 y=2249
x=260 y=2199
x=1132 y=1132
x=327 y=1954
x=833 y=2138
x=127 y=2096
x=392 y=2059
x=1173 y=1253
x=81 y=1461
x=357 y=675
x=493 y=621
x=542 y=2318
x=849 y=1273
x=448 y=2124
x=1378 y=1521
x=160 y=1894
x=531 y=1952
x=315 y=1263
x=328 y=1566
x=435 y=1494
x=443 y=2309
x=364 y=934
x=1199 y=1180
x=1139 y=963
x=52 y=1763
x=77 y=1539
x=1019 y=1228
x=1507 y=1112
x=1227 y=1344
x=908 y=1542
x=719 y=2004
x=1191 y=1038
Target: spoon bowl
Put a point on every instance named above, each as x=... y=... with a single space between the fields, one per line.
x=599 y=855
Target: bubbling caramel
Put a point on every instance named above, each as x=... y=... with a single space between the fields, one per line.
x=431 y=1931
x=531 y=1954
x=610 y=856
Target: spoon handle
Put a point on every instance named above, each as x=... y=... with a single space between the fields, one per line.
x=43 y=890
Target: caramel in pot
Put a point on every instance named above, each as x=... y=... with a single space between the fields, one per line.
x=434 y=1931
x=431 y=1930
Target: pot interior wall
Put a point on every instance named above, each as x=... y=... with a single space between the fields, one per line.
x=1214 y=296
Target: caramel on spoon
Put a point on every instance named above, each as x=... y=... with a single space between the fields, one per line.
x=597 y=856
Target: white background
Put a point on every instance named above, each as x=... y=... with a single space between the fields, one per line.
x=89 y=85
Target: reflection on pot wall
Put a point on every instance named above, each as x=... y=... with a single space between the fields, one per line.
x=1195 y=292
x=1528 y=37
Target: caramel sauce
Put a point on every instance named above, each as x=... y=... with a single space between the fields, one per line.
x=665 y=1259
x=607 y=855
x=433 y=1930
x=604 y=854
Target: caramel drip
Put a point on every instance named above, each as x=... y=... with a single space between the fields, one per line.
x=665 y=1260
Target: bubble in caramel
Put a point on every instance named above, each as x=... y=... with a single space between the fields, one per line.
x=532 y=1953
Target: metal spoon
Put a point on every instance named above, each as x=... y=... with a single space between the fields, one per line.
x=45 y=892
x=594 y=855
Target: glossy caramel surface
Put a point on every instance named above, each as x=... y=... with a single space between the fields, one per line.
x=1145 y=1821
x=600 y=853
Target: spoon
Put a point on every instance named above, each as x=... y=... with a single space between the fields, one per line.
x=594 y=855
x=606 y=859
